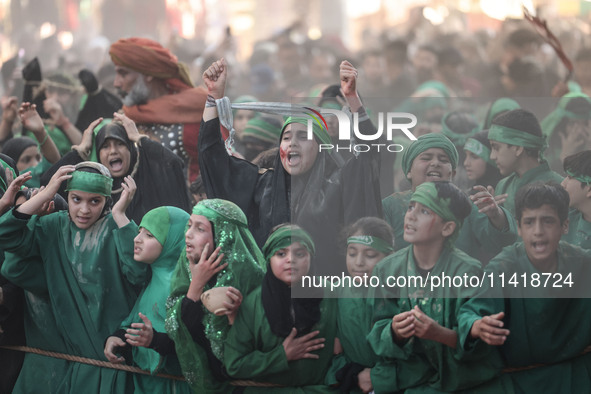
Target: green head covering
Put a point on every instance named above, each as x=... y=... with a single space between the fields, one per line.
x=515 y=137
x=285 y=236
x=317 y=127
x=501 y=105
x=479 y=149
x=91 y=182
x=245 y=271
x=376 y=243
x=261 y=129
x=426 y=194
x=428 y=141
x=585 y=179
x=4 y=182
x=458 y=139
x=167 y=224
x=551 y=121
x=93 y=153
x=244 y=99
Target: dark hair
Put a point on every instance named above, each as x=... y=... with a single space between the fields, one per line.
x=197 y=187
x=371 y=226
x=522 y=37
x=460 y=204
x=577 y=105
x=579 y=163
x=266 y=159
x=536 y=194
x=491 y=175
x=522 y=120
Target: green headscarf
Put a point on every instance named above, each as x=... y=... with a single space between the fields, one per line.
x=245 y=271
x=167 y=224
x=91 y=182
x=551 y=121
x=94 y=156
x=285 y=236
x=318 y=130
x=479 y=149
x=428 y=141
x=262 y=130
x=426 y=194
x=501 y=105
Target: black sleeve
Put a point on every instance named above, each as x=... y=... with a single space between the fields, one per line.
x=162 y=343
x=192 y=315
x=123 y=351
x=224 y=176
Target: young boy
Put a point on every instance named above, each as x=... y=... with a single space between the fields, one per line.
x=517 y=143
x=415 y=322
x=578 y=185
x=433 y=157
x=541 y=333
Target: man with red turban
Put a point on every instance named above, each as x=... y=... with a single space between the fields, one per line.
x=159 y=97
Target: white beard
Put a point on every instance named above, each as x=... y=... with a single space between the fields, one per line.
x=139 y=93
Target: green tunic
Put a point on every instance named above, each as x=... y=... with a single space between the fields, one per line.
x=579 y=230
x=511 y=184
x=478 y=237
x=428 y=365
x=90 y=289
x=253 y=351
x=542 y=330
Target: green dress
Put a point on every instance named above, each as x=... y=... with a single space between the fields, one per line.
x=169 y=224
x=429 y=366
x=552 y=331
x=579 y=230
x=254 y=352
x=245 y=271
x=478 y=237
x=511 y=184
x=91 y=290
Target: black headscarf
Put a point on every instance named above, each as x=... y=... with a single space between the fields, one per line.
x=117 y=131
x=100 y=102
x=15 y=147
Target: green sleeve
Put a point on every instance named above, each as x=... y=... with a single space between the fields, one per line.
x=27 y=273
x=18 y=235
x=242 y=359
x=382 y=341
x=136 y=273
x=338 y=362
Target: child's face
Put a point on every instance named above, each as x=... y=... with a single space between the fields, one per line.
x=475 y=166
x=291 y=263
x=29 y=158
x=241 y=119
x=297 y=152
x=422 y=225
x=146 y=248
x=505 y=157
x=361 y=259
x=85 y=208
x=541 y=230
x=197 y=236
x=429 y=166
x=578 y=195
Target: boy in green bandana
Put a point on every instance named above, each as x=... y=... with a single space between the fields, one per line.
x=578 y=185
x=416 y=324
x=539 y=329
x=517 y=145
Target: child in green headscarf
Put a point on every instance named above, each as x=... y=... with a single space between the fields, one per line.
x=220 y=251
x=159 y=243
x=91 y=287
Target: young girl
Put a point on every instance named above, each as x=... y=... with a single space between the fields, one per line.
x=91 y=288
x=481 y=170
x=159 y=243
x=278 y=339
x=369 y=240
x=220 y=251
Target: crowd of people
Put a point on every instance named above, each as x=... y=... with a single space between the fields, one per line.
x=122 y=223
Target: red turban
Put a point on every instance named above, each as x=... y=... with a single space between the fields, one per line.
x=150 y=58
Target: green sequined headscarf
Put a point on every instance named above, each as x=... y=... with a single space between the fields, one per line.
x=167 y=224
x=245 y=271
x=426 y=194
x=428 y=141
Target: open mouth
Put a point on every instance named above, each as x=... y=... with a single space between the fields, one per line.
x=189 y=248
x=540 y=246
x=409 y=229
x=137 y=250
x=116 y=165
x=293 y=158
x=434 y=174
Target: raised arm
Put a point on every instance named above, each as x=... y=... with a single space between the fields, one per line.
x=33 y=122
x=55 y=111
x=215 y=80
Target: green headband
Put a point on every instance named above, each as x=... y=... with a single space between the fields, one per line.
x=90 y=182
x=260 y=129
x=285 y=236
x=157 y=222
x=515 y=137
x=317 y=129
x=479 y=149
x=373 y=242
x=428 y=141
x=586 y=179
x=426 y=194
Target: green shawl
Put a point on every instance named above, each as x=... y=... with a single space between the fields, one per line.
x=245 y=271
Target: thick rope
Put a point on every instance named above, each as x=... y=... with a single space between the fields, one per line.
x=126 y=368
